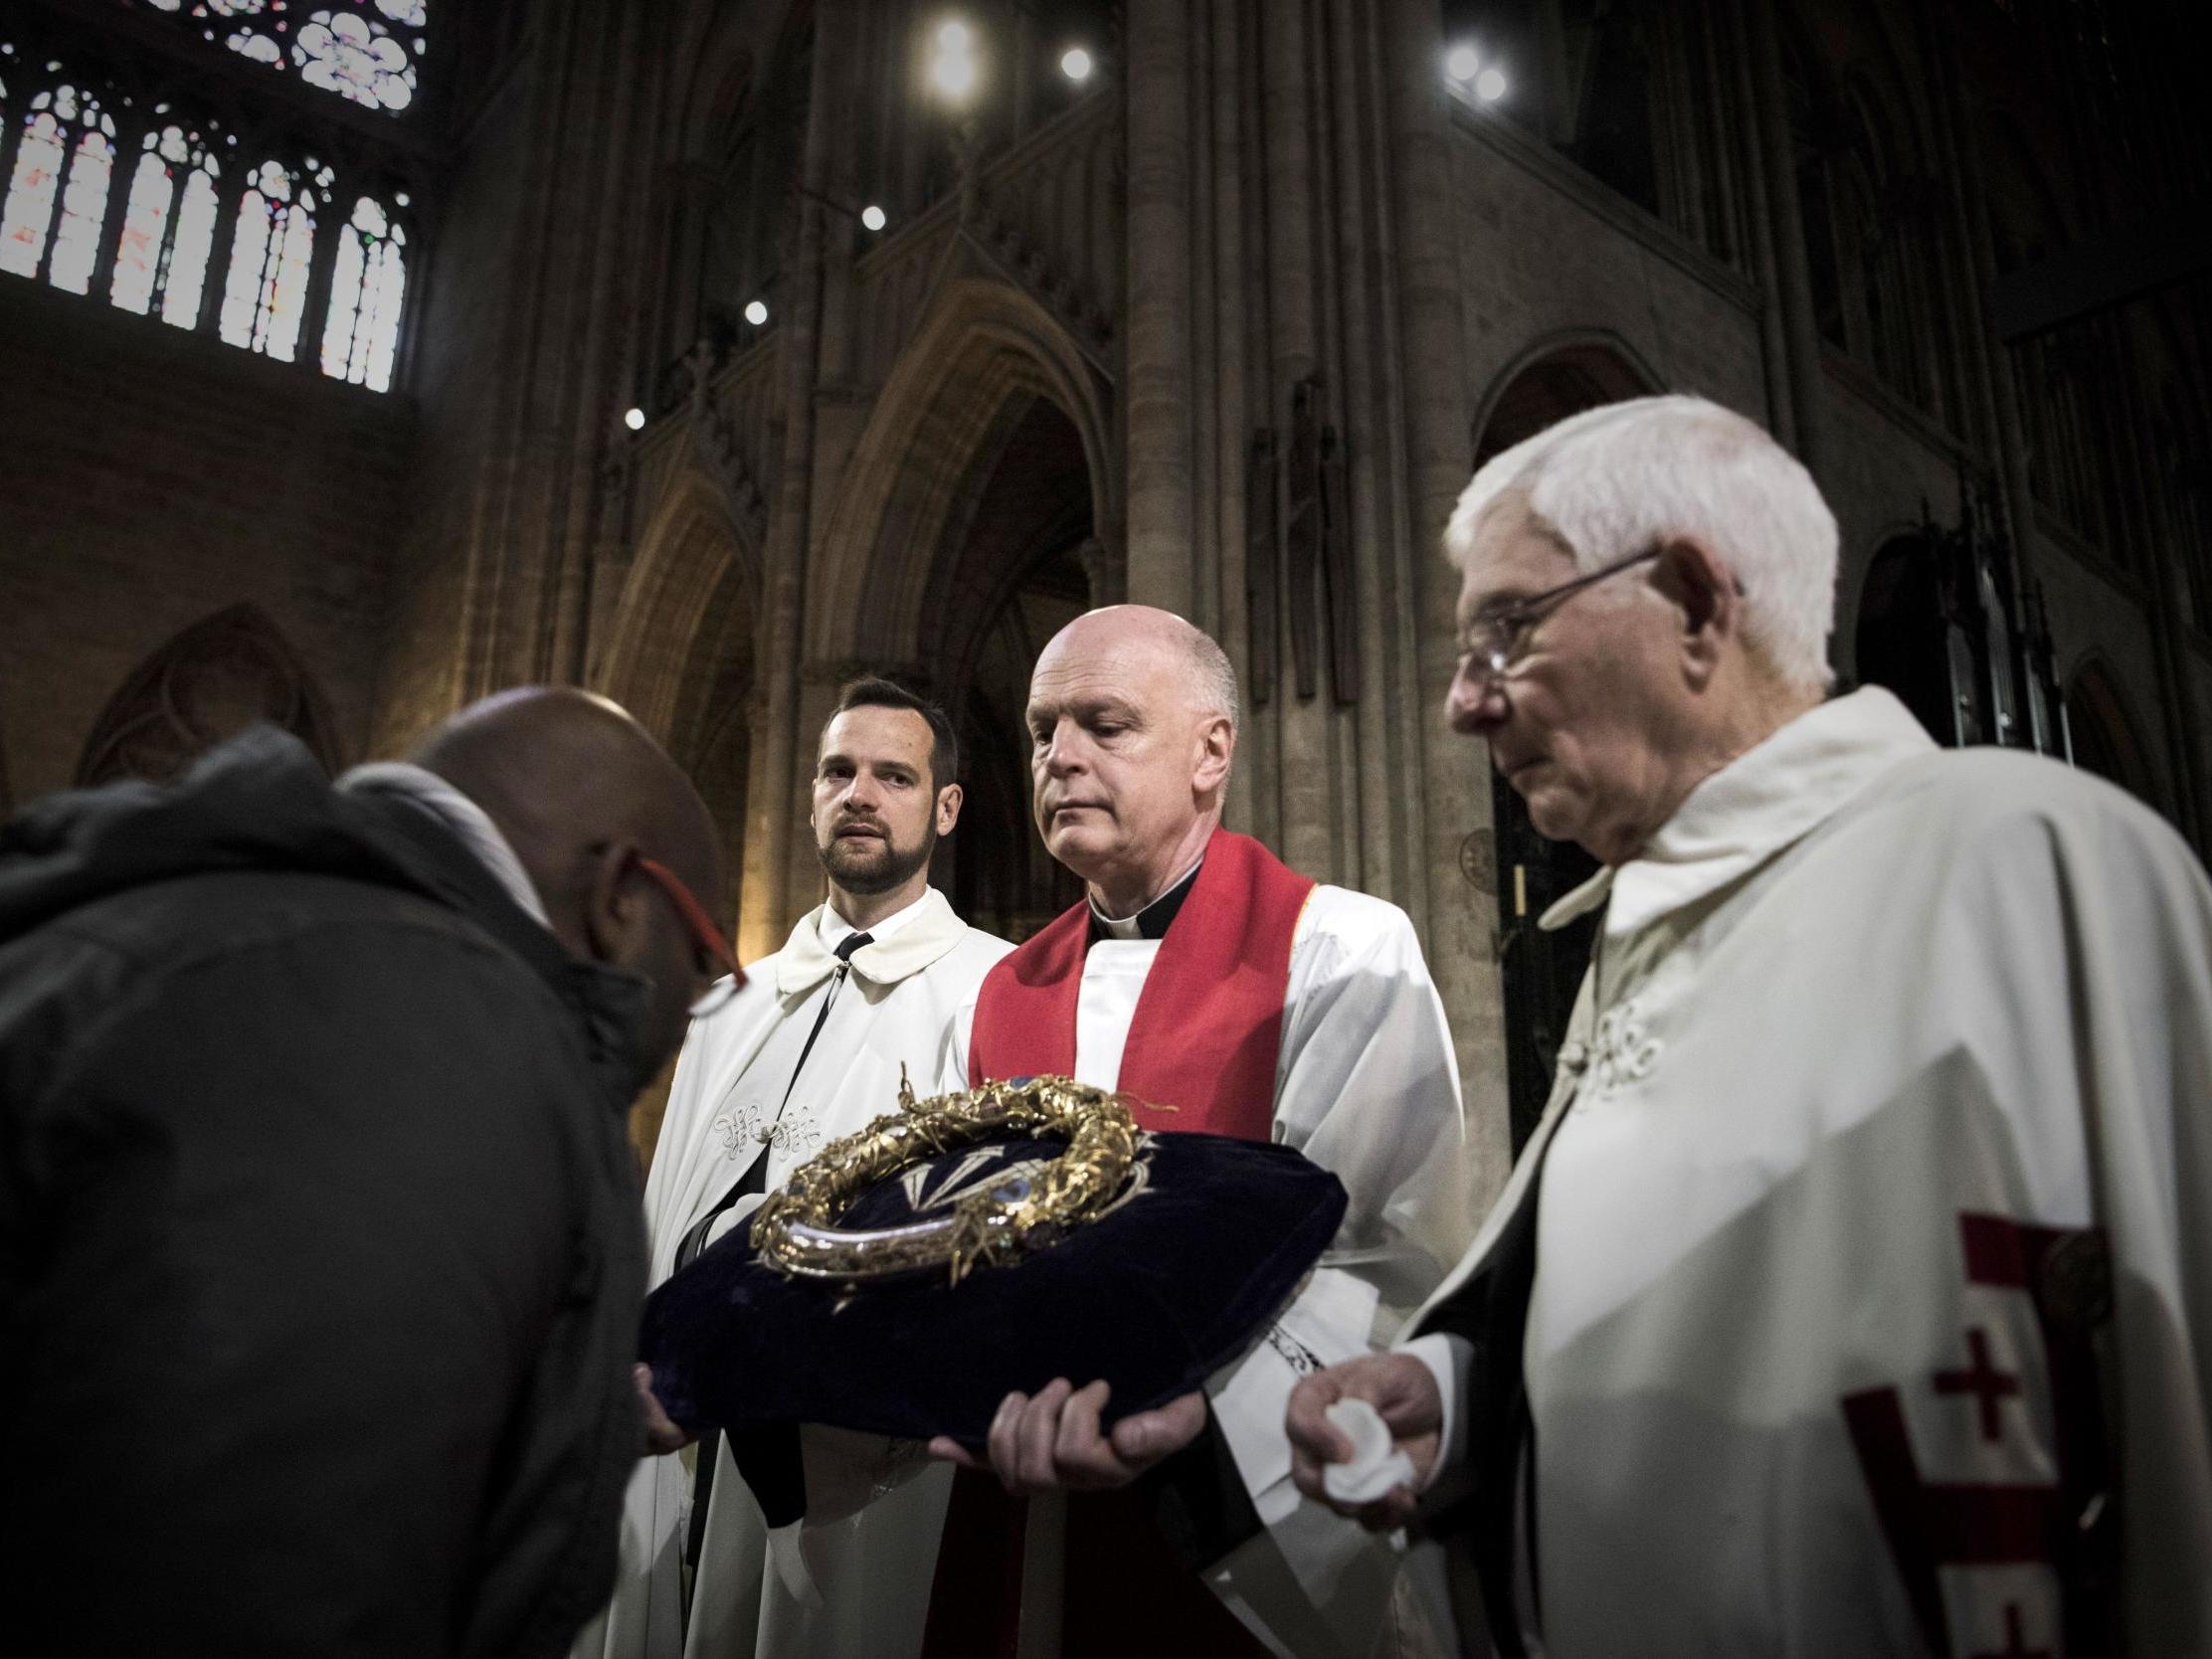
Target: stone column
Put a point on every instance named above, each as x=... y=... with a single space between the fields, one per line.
x=770 y=808
x=1156 y=379
x=1786 y=220
x=1450 y=795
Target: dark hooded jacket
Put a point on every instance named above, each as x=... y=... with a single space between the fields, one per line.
x=320 y=1246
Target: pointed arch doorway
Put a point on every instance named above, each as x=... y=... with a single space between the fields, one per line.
x=1017 y=564
x=1541 y=972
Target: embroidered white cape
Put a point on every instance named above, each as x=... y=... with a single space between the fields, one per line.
x=1863 y=1013
x=869 y=1571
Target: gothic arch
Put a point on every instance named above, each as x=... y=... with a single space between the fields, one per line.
x=2107 y=736
x=693 y=569
x=1558 y=375
x=211 y=681
x=984 y=343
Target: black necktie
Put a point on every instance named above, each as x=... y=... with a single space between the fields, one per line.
x=754 y=1180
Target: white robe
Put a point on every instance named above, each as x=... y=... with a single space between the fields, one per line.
x=1365 y=1085
x=1857 y=990
x=863 y=1583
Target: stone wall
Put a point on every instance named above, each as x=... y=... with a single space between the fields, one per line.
x=150 y=478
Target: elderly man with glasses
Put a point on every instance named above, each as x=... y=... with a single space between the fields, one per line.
x=1854 y=1294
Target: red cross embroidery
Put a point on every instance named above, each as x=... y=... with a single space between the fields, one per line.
x=1989 y=1386
x=1932 y=1525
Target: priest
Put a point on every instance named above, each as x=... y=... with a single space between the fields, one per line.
x=864 y=991
x=1201 y=975
x=1854 y=1293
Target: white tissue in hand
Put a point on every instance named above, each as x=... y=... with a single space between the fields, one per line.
x=1374 y=1468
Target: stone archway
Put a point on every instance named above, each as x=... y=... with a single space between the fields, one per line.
x=680 y=653
x=1903 y=639
x=1541 y=972
x=1010 y=573
x=975 y=519
x=224 y=672
x=913 y=472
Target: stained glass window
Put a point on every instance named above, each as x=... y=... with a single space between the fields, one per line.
x=58 y=194
x=169 y=227
x=144 y=202
x=363 y=50
x=266 y=292
x=362 y=333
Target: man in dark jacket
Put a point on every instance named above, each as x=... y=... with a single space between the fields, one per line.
x=320 y=1251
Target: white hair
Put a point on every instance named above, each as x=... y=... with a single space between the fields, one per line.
x=1212 y=676
x=1616 y=479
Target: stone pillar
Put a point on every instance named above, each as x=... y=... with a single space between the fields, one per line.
x=1156 y=381
x=1786 y=224
x=772 y=813
x=1449 y=800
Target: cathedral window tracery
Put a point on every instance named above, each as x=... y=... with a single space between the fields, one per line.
x=123 y=181
x=363 y=50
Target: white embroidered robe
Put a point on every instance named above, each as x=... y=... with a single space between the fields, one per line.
x=862 y=1585
x=1870 y=1026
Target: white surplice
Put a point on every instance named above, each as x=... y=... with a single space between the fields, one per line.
x=1366 y=1086
x=860 y=1584
x=1862 y=1010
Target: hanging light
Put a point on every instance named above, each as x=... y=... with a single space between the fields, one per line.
x=873 y=217
x=952 y=69
x=1462 y=61
x=756 y=312
x=635 y=418
x=1489 y=85
x=1076 y=64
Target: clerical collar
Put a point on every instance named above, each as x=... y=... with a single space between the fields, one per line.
x=834 y=927
x=1152 y=921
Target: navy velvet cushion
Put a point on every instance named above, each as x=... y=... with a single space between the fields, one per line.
x=1166 y=1288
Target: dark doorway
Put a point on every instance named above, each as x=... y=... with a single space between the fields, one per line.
x=1542 y=972
x=1018 y=577
x=1904 y=644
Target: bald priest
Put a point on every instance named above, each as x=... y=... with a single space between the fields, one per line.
x=1203 y=973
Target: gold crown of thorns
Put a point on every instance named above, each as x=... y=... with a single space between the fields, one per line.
x=795 y=1231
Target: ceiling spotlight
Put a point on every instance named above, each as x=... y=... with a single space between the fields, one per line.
x=952 y=71
x=1489 y=86
x=635 y=418
x=1462 y=63
x=1076 y=64
x=402 y=198
x=756 y=313
x=873 y=217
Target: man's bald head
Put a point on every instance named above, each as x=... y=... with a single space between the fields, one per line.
x=1114 y=629
x=582 y=792
x=1132 y=722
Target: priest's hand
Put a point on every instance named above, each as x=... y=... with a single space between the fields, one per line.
x=662 y=1435
x=1054 y=1442
x=1403 y=1392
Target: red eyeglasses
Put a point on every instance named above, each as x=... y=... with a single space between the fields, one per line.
x=714 y=951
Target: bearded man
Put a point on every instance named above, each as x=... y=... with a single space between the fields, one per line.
x=1233 y=995
x=1854 y=1294
x=797 y=1059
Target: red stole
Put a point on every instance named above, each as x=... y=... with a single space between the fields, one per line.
x=1205 y=1038
x=1207 y=1031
